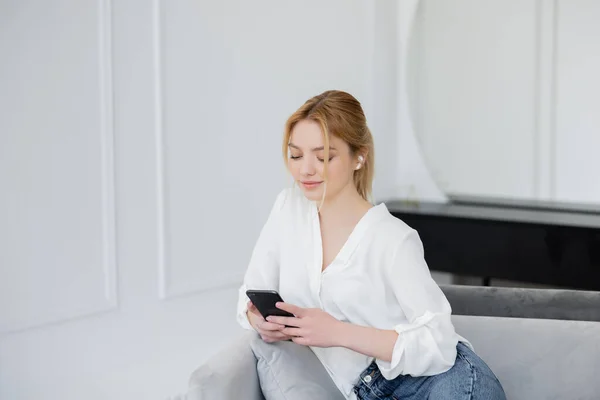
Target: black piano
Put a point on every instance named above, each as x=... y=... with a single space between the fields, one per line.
x=538 y=242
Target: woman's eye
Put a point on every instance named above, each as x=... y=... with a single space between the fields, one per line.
x=295 y=157
x=323 y=160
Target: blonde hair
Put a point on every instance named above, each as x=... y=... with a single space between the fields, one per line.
x=339 y=113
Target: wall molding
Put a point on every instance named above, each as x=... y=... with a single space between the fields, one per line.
x=370 y=14
x=108 y=153
x=109 y=237
x=166 y=288
x=159 y=150
x=546 y=24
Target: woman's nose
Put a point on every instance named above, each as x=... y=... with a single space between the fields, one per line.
x=307 y=167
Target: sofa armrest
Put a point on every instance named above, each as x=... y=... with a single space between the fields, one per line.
x=228 y=375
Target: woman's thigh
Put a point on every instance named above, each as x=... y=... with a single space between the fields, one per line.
x=469 y=378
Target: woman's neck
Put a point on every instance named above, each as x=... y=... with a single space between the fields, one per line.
x=347 y=202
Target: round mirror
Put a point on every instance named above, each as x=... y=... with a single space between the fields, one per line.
x=504 y=97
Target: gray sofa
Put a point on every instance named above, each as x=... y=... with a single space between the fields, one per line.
x=541 y=343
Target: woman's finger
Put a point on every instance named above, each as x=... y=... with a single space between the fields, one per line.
x=270 y=326
x=272 y=339
x=267 y=339
x=273 y=334
x=292 y=332
x=254 y=311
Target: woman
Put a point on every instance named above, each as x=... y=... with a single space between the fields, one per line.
x=352 y=274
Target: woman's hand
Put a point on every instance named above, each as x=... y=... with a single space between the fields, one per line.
x=269 y=332
x=310 y=326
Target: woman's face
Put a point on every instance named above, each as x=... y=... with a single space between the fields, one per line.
x=306 y=161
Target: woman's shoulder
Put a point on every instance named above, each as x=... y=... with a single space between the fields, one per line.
x=392 y=236
x=393 y=229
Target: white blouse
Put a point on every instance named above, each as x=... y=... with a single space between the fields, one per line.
x=378 y=279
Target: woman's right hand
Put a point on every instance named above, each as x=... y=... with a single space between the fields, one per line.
x=268 y=331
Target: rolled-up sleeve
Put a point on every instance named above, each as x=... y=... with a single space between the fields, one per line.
x=263 y=269
x=426 y=343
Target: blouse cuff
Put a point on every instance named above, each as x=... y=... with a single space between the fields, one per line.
x=242 y=309
x=422 y=348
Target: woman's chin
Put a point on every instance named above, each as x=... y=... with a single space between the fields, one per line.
x=313 y=195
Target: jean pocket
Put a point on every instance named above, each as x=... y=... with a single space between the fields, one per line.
x=385 y=388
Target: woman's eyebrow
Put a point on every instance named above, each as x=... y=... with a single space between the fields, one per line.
x=313 y=149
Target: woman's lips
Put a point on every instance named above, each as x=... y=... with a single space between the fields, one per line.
x=311 y=184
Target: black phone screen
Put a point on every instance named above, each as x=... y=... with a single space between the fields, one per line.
x=265 y=301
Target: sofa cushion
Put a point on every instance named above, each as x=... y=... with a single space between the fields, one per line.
x=288 y=371
x=228 y=374
x=538 y=358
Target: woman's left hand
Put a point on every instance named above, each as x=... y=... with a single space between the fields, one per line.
x=310 y=326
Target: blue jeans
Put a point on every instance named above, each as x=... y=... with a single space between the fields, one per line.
x=469 y=378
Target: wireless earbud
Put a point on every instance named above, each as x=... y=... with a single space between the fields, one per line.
x=360 y=161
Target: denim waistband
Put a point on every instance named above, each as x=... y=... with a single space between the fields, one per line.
x=370 y=374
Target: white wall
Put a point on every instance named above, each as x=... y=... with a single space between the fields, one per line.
x=504 y=96
x=139 y=156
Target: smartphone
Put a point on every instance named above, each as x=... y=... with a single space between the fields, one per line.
x=265 y=301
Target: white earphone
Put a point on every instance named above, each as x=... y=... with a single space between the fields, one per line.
x=360 y=161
